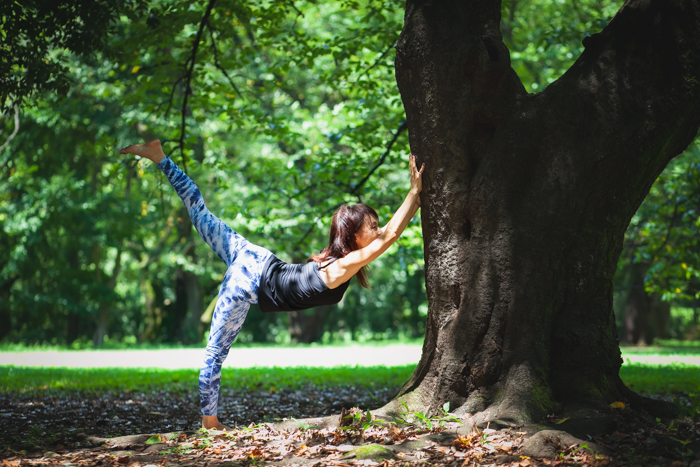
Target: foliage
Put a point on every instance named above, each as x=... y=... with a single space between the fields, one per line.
x=37 y=34
x=280 y=111
x=664 y=232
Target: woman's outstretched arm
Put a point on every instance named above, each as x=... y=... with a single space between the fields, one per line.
x=342 y=270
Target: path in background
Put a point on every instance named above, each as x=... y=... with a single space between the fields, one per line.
x=245 y=357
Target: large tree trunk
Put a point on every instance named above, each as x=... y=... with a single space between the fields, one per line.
x=526 y=198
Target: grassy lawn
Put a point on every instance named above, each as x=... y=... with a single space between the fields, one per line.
x=31 y=379
x=646 y=378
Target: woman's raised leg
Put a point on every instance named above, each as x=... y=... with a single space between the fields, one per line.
x=220 y=237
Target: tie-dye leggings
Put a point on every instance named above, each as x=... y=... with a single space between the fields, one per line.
x=238 y=290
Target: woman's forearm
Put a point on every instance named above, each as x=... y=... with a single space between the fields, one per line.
x=402 y=217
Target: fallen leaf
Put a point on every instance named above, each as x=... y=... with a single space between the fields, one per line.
x=505 y=447
x=617 y=405
x=562 y=421
x=394 y=431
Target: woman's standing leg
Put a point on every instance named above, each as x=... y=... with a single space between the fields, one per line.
x=238 y=290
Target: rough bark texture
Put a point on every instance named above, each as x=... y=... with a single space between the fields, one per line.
x=527 y=197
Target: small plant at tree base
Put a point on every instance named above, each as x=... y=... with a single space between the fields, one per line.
x=689 y=408
x=304 y=426
x=422 y=421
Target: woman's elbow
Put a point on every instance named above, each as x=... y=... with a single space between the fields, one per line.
x=390 y=235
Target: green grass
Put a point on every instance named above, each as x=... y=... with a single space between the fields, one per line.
x=648 y=379
x=35 y=379
x=642 y=377
x=661 y=379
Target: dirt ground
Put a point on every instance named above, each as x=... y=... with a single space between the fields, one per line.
x=160 y=428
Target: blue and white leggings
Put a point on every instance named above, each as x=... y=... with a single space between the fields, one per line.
x=238 y=290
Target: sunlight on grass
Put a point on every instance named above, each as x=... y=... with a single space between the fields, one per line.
x=31 y=379
x=658 y=379
x=648 y=379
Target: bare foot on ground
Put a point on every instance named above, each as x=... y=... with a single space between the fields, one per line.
x=212 y=423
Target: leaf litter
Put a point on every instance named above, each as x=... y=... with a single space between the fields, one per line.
x=72 y=429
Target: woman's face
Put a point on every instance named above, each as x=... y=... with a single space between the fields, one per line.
x=368 y=233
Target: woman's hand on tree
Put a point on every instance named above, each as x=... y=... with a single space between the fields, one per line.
x=416 y=175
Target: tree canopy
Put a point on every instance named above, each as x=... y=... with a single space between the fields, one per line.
x=281 y=111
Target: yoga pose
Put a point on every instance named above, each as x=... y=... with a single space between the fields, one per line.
x=255 y=275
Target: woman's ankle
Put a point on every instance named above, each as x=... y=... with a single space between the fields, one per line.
x=209 y=421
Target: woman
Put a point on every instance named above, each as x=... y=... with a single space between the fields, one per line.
x=255 y=275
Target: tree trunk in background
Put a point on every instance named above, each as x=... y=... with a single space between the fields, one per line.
x=105 y=306
x=659 y=318
x=153 y=313
x=306 y=326
x=103 y=313
x=526 y=199
x=638 y=308
x=188 y=292
x=646 y=316
x=73 y=320
x=5 y=318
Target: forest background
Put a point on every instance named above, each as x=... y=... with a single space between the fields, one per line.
x=281 y=111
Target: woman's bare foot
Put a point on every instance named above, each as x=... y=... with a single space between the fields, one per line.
x=211 y=422
x=150 y=150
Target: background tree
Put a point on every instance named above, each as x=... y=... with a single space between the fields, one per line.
x=657 y=266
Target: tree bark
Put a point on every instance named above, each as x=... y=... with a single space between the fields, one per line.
x=526 y=198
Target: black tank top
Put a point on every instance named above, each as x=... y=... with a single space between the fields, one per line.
x=291 y=287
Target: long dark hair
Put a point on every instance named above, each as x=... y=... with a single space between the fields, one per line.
x=347 y=221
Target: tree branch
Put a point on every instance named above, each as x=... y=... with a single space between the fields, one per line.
x=216 y=60
x=402 y=127
x=299 y=13
x=188 y=79
x=16 y=130
x=376 y=62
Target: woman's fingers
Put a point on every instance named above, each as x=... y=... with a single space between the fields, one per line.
x=413 y=166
